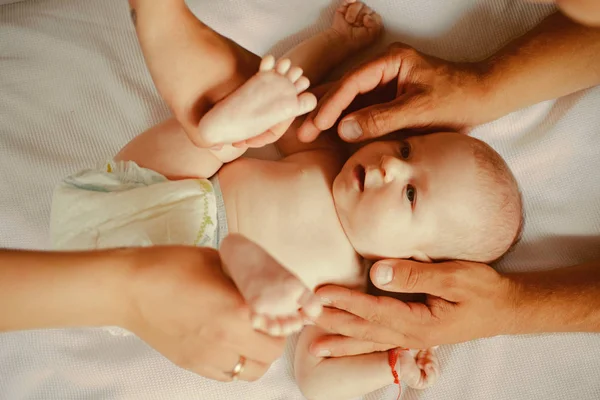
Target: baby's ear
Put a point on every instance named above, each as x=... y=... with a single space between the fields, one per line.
x=421 y=257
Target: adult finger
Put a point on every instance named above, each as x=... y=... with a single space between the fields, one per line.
x=224 y=363
x=405 y=276
x=341 y=346
x=378 y=120
x=259 y=346
x=345 y=323
x=361 y=80
x=380 y=310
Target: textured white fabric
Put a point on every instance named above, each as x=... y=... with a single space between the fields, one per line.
x=73 y=89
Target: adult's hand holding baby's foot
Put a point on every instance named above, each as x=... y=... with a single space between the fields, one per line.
x=261 y=110
x=278 y=299
x=182 y=304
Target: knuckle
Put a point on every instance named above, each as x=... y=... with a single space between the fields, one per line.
x=410 y=278
x=451 y=279
x=375 y=121
x=402 y=50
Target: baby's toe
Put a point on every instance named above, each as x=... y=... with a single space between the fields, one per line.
x=353 y=11
x=291 y=324
x=311 y=305
x=274 y=327
x=302 y=84
x=283 y=66
x=372 y=21
x=267 y=63
x=294 y=74
x=259 y=322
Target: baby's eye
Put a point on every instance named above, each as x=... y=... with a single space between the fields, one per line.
x=411 y=193
x=405 y=150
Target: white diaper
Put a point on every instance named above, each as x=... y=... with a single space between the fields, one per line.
x=121 y=204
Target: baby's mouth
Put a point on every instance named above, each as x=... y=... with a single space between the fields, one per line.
x=359 y=175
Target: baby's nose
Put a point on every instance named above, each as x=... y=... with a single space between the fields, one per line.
x=395 y=169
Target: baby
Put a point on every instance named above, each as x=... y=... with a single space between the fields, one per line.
x=318 y=212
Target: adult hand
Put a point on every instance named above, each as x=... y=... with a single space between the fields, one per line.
x=176 y=46
x=464 y=301
x=430 y=92
x=183 y=305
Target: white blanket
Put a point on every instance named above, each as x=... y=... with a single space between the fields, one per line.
x=74 y=88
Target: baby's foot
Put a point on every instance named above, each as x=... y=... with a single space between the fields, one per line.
x=356 y=24
x=419 y=370
x=278 y=299
x=267 y=101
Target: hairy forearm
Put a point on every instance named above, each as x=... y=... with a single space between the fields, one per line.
x=557 y=58
x=561 y=300
x=51 y=289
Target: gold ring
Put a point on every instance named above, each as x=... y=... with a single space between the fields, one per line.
x=238 y=369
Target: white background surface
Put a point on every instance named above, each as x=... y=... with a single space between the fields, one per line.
x=74 y=88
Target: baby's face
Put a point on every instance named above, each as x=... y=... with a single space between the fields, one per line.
x=393 y=197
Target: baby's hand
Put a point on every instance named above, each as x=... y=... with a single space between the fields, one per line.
x=261 y=110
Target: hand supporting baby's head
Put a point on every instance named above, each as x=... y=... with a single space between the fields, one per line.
x=431 y=197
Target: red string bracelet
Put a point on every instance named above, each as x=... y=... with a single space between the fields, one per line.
x=392 y=359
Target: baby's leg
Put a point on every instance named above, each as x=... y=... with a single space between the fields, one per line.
x=354 y=27
x=265 y=104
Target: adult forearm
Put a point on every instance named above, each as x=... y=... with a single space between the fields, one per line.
x=51 y=289
x=192 y=66
x=556 y=58
x=561 y=300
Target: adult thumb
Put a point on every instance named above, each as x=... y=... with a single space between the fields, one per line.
x=376 y=121
x=407 y=276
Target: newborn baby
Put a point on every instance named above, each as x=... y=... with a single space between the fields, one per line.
x=318 y=212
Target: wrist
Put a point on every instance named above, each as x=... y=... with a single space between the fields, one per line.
x=558 y=300
x=61 y=289
x=492 y=99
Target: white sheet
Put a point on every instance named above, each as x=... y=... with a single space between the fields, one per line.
x=74 y=88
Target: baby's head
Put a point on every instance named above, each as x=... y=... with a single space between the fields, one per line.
x=432 y=197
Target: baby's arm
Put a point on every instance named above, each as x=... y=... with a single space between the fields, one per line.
x=338 y=378
x=166 y=149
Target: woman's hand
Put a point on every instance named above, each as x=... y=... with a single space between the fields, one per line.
x=191 y=65
x=464 y=301
x=183 y=305
x=429 y=92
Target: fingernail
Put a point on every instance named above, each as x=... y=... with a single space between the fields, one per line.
x=323 y=353
x=351 y=130
x=325 y=301
x=308 y=322
x=383 y=274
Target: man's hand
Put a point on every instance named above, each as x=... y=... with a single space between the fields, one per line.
x=183 y=305
x=430 y=92
x=464 y=301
